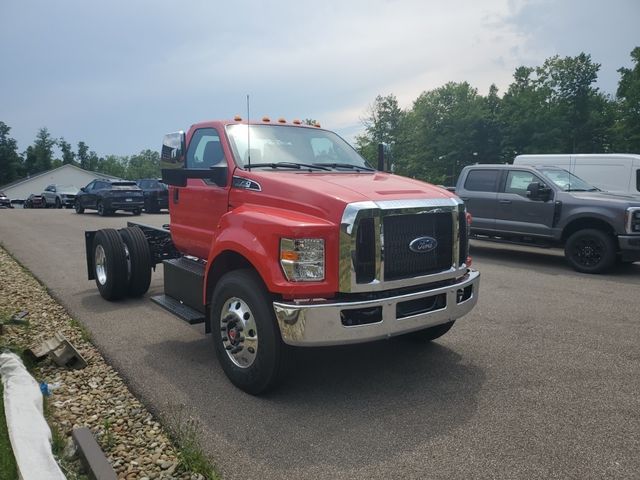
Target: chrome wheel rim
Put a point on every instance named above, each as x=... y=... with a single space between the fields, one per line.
x=239 y=332
x=100 y=262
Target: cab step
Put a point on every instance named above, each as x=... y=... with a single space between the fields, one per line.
x=179 y=309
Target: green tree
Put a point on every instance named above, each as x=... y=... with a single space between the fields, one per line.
x=43 y=150
x=113 y=165
x=447 y=129
x=92 y=161
x=580 y=109
x=9 y=158
x=627 y=129
x=30 y=161
x=83 y=155
x=383 y=124
x=68 y=156
x=146 y=164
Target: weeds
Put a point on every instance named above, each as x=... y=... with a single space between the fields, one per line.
x=185 y=430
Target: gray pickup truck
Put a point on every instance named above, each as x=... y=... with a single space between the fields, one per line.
x=548 y=206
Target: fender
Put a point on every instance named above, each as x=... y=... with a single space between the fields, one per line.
x=587 y=213
x=254 y=232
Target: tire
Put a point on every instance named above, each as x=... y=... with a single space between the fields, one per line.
x=431 y=333
x=137 y=211
x=110 y=264
x=101 y=210
x=58 y=203
x=78 y=208
x=138 y=257
x=590 y=251
x=240 y=299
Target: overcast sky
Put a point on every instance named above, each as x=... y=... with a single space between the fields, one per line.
x=120 y=74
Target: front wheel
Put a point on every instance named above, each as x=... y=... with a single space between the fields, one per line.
x=78 y=208
x=590 y=251
x=101 y=210
x=246 y=337
x=58 y=203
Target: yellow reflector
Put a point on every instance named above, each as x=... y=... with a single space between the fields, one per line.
x=289 y=255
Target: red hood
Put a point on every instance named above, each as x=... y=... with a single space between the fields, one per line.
x=326 y=194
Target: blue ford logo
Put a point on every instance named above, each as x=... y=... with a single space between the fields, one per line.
x=423 y=244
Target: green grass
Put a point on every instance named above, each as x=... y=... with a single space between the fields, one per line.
x=184 y=430
x=8 y=468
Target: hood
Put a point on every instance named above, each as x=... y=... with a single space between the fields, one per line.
x=608 y=198
x=326 y=194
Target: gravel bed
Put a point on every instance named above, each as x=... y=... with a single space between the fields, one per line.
x=95 y=397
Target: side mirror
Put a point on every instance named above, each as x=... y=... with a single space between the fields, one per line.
x=83 y=189
x=173 y=151
x=178 y=176
x=537 y=191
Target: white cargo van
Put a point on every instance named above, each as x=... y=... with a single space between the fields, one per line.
x=613 y=172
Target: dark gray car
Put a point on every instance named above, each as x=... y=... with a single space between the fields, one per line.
x=550 y=206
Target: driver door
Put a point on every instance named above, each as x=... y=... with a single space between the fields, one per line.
x=517 y=213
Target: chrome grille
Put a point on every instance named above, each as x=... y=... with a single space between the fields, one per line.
x=400 y=230
x=375 y=238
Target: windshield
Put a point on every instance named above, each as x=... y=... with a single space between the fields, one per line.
x=567 y=181
x=281 y=144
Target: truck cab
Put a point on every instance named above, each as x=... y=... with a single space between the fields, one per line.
x=281 y=235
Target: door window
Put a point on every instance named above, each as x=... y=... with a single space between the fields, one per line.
x=205 y=149
x=482 y=180
x=518 y=181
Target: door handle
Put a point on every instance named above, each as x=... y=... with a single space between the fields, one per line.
x=176 y=195
x=505 y=202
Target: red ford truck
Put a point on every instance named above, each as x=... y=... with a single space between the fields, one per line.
x=281 y=235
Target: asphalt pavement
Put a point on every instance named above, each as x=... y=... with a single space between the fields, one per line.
x=540 y=380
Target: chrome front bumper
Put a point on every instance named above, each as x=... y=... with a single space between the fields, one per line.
x=309 y=323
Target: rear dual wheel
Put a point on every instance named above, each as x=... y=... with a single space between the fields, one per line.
x=122 y=262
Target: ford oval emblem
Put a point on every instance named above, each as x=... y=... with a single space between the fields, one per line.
x=423 y=244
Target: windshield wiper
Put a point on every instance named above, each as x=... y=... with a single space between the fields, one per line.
x=346 y=165
x=294 y=165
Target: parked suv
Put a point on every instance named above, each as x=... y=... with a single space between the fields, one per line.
x=59 y=196
x=156 y=194
x=107 y=196
x=5 y=201
x=550 y=206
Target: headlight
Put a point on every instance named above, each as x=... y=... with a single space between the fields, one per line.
x=302 y=259
x=633 y=220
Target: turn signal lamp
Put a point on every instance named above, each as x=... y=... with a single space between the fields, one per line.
x=266 y=119
x=237 y=118
x=282 y=120
x=297 y=122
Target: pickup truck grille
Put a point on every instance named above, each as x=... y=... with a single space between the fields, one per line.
x=400 y=230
